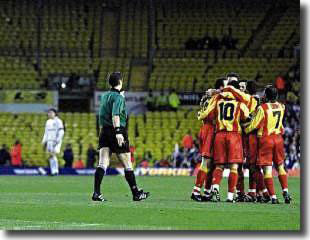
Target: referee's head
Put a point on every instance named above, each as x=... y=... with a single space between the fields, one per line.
x=116 y=80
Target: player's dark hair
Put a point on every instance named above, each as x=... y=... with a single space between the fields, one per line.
x=53 y=110
x=219 y=82
x=271 y=93
x=243 y=80
x=233 y=74
x=251 y=87
x=114 y=78
x=234 y=83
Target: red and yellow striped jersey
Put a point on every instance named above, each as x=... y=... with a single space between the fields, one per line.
x=203 y=112
x=204 y=106
x=268 y=119
x=227 y=112
x=243 y=97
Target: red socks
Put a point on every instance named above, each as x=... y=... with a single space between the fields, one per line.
x=240 y=184
x=270 y=186
x=217 y=176
x=260 y=181
x=208 y=181
x=252 y=179
x=283 y=181
x=200 y=178
x=232 y=181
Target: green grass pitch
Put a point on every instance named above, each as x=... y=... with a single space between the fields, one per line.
x=63 y=203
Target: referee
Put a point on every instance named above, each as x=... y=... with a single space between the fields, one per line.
x=113 y=138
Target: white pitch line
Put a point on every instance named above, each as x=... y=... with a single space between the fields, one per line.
x=66 y=225
x=53 y=222
x=86 y=224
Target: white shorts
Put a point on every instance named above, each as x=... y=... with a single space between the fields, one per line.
x=52 y=148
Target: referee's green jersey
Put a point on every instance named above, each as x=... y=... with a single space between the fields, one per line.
x=112 y=104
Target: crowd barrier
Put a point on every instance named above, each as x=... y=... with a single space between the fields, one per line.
x=33 y=171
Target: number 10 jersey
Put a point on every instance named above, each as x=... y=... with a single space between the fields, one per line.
x=228 y=113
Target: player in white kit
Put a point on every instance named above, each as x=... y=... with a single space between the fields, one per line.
x=52 y=139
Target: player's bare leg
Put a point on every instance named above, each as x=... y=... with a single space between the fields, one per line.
x=137 y=194
x=252 y=182
x=262 y=191
x=282 y=176
x=240 y=185
x=104 y=161
x=269 y=184
x=232 y=182
x=208 y=182
x=251 y=195
x=200 y=178
x=216 y=180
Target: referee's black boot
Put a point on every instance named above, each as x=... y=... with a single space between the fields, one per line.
x=98 y=197
x=140 y=195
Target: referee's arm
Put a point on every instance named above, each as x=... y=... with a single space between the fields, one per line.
x=116 y=121
x=116 y=110
x=117 y=106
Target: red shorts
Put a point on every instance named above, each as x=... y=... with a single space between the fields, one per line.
x=270 y=149
x=252 y=149
x=228 y=148
x=206 y=139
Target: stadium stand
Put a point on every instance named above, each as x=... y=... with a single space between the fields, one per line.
x=177 y=21
x=133 y=29
x=18 y=27
x=285 y=27
x=71 y=36
x=65 y=66
x=158 y=132
x=250 y=68
x=70 y=26
x=183 y=73
x=177 y=73
x=17 y=72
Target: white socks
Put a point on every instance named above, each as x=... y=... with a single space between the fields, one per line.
x=230 y=196
x=54 y=165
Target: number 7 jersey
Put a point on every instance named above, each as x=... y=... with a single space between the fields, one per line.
x=268 y=119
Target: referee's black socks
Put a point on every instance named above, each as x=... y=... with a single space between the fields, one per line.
x=98 y=179
x=131 y=179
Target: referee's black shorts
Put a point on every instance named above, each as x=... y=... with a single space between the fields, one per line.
x=107 y=139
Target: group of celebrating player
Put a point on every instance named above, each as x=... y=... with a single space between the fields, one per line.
x=240 y=130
